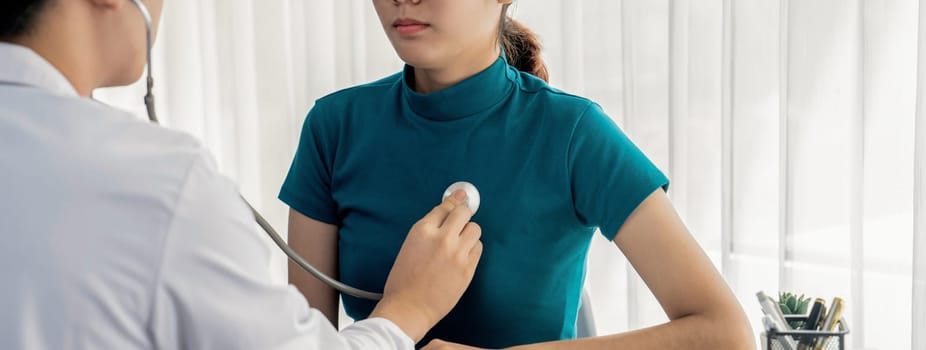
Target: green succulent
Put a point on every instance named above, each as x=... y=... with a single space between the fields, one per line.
x=791 y=304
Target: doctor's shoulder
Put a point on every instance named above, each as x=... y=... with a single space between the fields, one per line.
x=124 y=144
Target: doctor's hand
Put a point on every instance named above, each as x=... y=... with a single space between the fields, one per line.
x=433 y=268
x=438 y=344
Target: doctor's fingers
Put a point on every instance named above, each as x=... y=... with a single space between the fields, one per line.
x=437 y=215
x=456 y=220
x=470 y=247
x=470 y=236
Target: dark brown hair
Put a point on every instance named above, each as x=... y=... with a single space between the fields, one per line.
x=522 y=48
x=17 y=17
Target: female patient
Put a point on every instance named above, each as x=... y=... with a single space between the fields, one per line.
x=472 y=104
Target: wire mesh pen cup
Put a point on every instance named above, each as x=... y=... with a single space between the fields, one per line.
x=804 y=339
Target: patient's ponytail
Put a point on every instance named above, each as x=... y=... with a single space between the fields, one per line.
x=522 y=48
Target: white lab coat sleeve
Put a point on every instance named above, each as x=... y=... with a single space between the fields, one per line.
x=214 y=291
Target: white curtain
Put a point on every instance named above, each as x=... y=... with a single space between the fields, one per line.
x=794 y=131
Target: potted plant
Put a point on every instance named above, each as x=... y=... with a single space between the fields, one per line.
x=793 y=305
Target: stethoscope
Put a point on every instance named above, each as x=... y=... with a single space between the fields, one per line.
x=472 y=193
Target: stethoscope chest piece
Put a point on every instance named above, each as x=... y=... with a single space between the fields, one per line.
x=472 y=194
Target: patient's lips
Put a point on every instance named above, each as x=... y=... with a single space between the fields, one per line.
x=409 y=27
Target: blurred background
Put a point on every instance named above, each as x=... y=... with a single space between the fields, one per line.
x=790 y=129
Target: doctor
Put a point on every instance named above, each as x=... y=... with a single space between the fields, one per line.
x=118 y=234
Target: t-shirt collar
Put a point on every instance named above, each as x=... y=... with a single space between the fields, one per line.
x=468 y=97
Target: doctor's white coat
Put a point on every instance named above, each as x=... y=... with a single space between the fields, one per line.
x=118 y=234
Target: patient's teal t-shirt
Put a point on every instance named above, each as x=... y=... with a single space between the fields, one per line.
x=550 y=167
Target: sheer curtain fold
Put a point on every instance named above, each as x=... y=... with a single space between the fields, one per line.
x=794 y=131
x=919 y=192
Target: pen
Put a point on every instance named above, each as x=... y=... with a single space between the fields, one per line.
x=832 y=319
x=772 y=310
x=813 y=319
x=769 y=325
x=829 y=324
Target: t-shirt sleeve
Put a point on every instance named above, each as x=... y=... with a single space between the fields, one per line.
x=609 y=175
x=307 y=188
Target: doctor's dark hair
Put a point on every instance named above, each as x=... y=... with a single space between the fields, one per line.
x=17 y=17
x=521 y=45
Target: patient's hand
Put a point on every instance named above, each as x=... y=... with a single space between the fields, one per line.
x=438 y=344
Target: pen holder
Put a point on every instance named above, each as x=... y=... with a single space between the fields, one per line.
x=804 y=339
